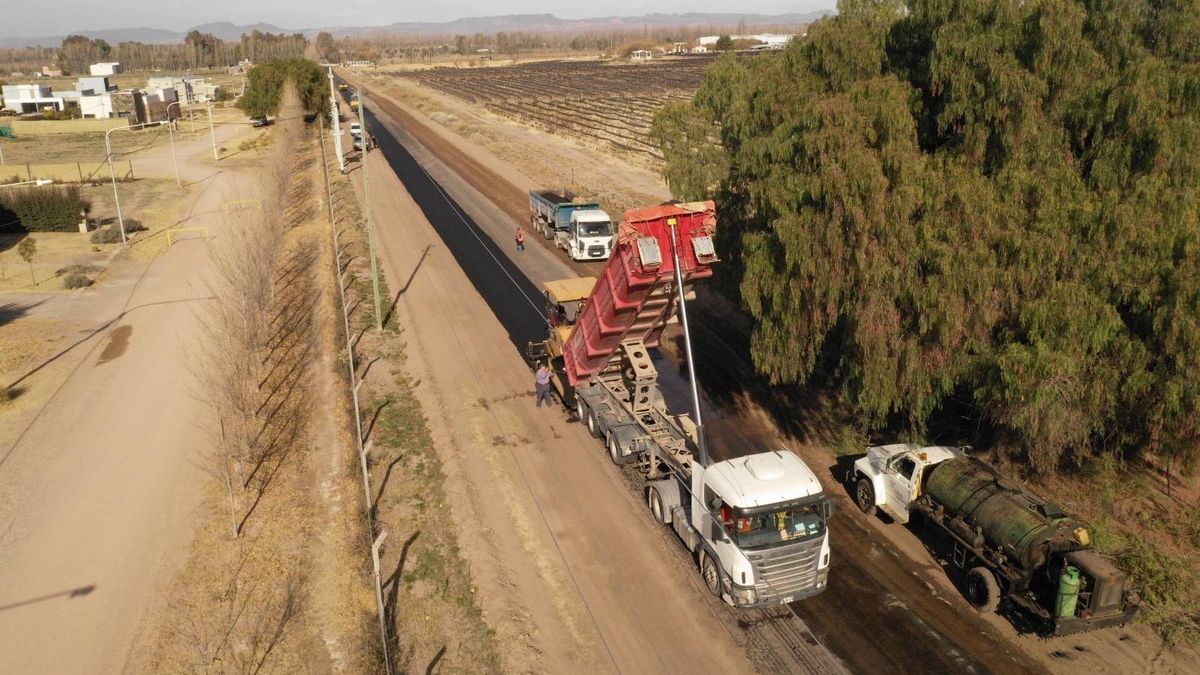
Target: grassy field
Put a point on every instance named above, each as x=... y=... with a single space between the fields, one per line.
x=154 y=203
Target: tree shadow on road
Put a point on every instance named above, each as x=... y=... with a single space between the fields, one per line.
x=11 y=311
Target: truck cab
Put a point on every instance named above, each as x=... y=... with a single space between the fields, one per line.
x=761 y=522
x=889 y=477
x=589 y=236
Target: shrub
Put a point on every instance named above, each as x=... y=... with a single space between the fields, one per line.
x=76 y=280
x=46 y=209
x=109 y=234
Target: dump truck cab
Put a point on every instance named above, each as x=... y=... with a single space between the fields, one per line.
x=590 y=235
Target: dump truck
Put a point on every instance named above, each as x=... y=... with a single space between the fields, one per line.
x=756 y=523
x=579 y=227
x=1015 y=549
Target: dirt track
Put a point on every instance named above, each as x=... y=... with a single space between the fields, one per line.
x=99 y=467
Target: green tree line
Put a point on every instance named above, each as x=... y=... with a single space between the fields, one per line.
x=265 y=84
x=982 y=200
x=198 y=51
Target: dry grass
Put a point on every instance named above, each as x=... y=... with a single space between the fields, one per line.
x=155 y=203
x=510 y=142
x=434 y=617
x=261 y=591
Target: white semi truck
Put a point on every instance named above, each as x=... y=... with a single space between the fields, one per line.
x=580 y=228
x=756 y=523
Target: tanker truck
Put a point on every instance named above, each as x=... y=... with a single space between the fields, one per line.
x=1015 y=549
x=756 y=524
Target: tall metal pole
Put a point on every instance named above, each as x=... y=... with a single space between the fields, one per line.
x=362 y=122
x=687 y=343
x=171 y=134
x=113 y=173
x=212 y=134
x=337 y=123
x=174 y=160
x=116 y=195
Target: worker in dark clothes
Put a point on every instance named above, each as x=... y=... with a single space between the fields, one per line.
x=541 y=381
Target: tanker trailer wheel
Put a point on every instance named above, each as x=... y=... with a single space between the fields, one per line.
x=710 y=573
x=864 y=496
x=983 y=592
x=654 y=501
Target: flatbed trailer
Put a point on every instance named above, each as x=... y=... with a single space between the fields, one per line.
x=757 y=523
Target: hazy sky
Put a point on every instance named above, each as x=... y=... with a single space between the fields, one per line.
x=33 y=18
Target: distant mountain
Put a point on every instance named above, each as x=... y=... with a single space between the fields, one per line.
x=539 y=23
x=548 y=23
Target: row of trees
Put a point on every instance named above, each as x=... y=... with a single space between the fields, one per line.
x=266 y=83
x=197 y=51
x=984 y=203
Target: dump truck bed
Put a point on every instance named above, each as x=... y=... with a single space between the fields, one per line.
x=635 y=296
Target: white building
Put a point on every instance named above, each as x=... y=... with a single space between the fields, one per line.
x=105 y=68
x=96 y=106
x=640 y=55
x=777 y=40
x=93 y=85
x=190 y=90
x=30 y=98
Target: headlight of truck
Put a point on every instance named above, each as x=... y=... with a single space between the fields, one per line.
x=580 y=244
x=744 y=595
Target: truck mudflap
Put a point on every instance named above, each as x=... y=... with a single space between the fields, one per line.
x=1071 y=625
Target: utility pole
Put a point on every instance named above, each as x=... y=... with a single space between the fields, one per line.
x=337 y=123
x=212 y=134
x=362 y=123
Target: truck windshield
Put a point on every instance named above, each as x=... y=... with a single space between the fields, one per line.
x=765 y=529
x=595 y=229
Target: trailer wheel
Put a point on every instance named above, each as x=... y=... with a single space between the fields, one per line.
x=654 y=501
x=864 y=496
x=983 y=592
x=614 y=450
x=579 y=410
x=710 y=573
x=593 y=424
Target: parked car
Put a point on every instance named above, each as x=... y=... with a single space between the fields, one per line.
x=355 y=129
x=259 y=121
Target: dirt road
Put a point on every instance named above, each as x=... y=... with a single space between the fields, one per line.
x=99 y=455
x=563 y=550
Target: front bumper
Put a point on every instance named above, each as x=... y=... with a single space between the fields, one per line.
x=765 y=598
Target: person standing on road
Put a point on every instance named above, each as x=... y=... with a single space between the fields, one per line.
x=541 y=381
x=520 y=238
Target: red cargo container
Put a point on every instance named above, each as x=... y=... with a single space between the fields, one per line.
x=635 y=297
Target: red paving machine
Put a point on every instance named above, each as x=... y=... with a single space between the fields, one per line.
x=756 y=523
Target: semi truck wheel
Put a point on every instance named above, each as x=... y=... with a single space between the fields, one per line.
x=654 y=501
x=593 y=424
x=983 y=592
x=614 y=450
x=864 y=496
x=710 y=573
x=579 y=409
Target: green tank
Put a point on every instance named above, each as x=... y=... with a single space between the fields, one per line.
x=1025 y=528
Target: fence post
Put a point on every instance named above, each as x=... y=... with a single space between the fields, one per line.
x=28 y=172
x=80 y=170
